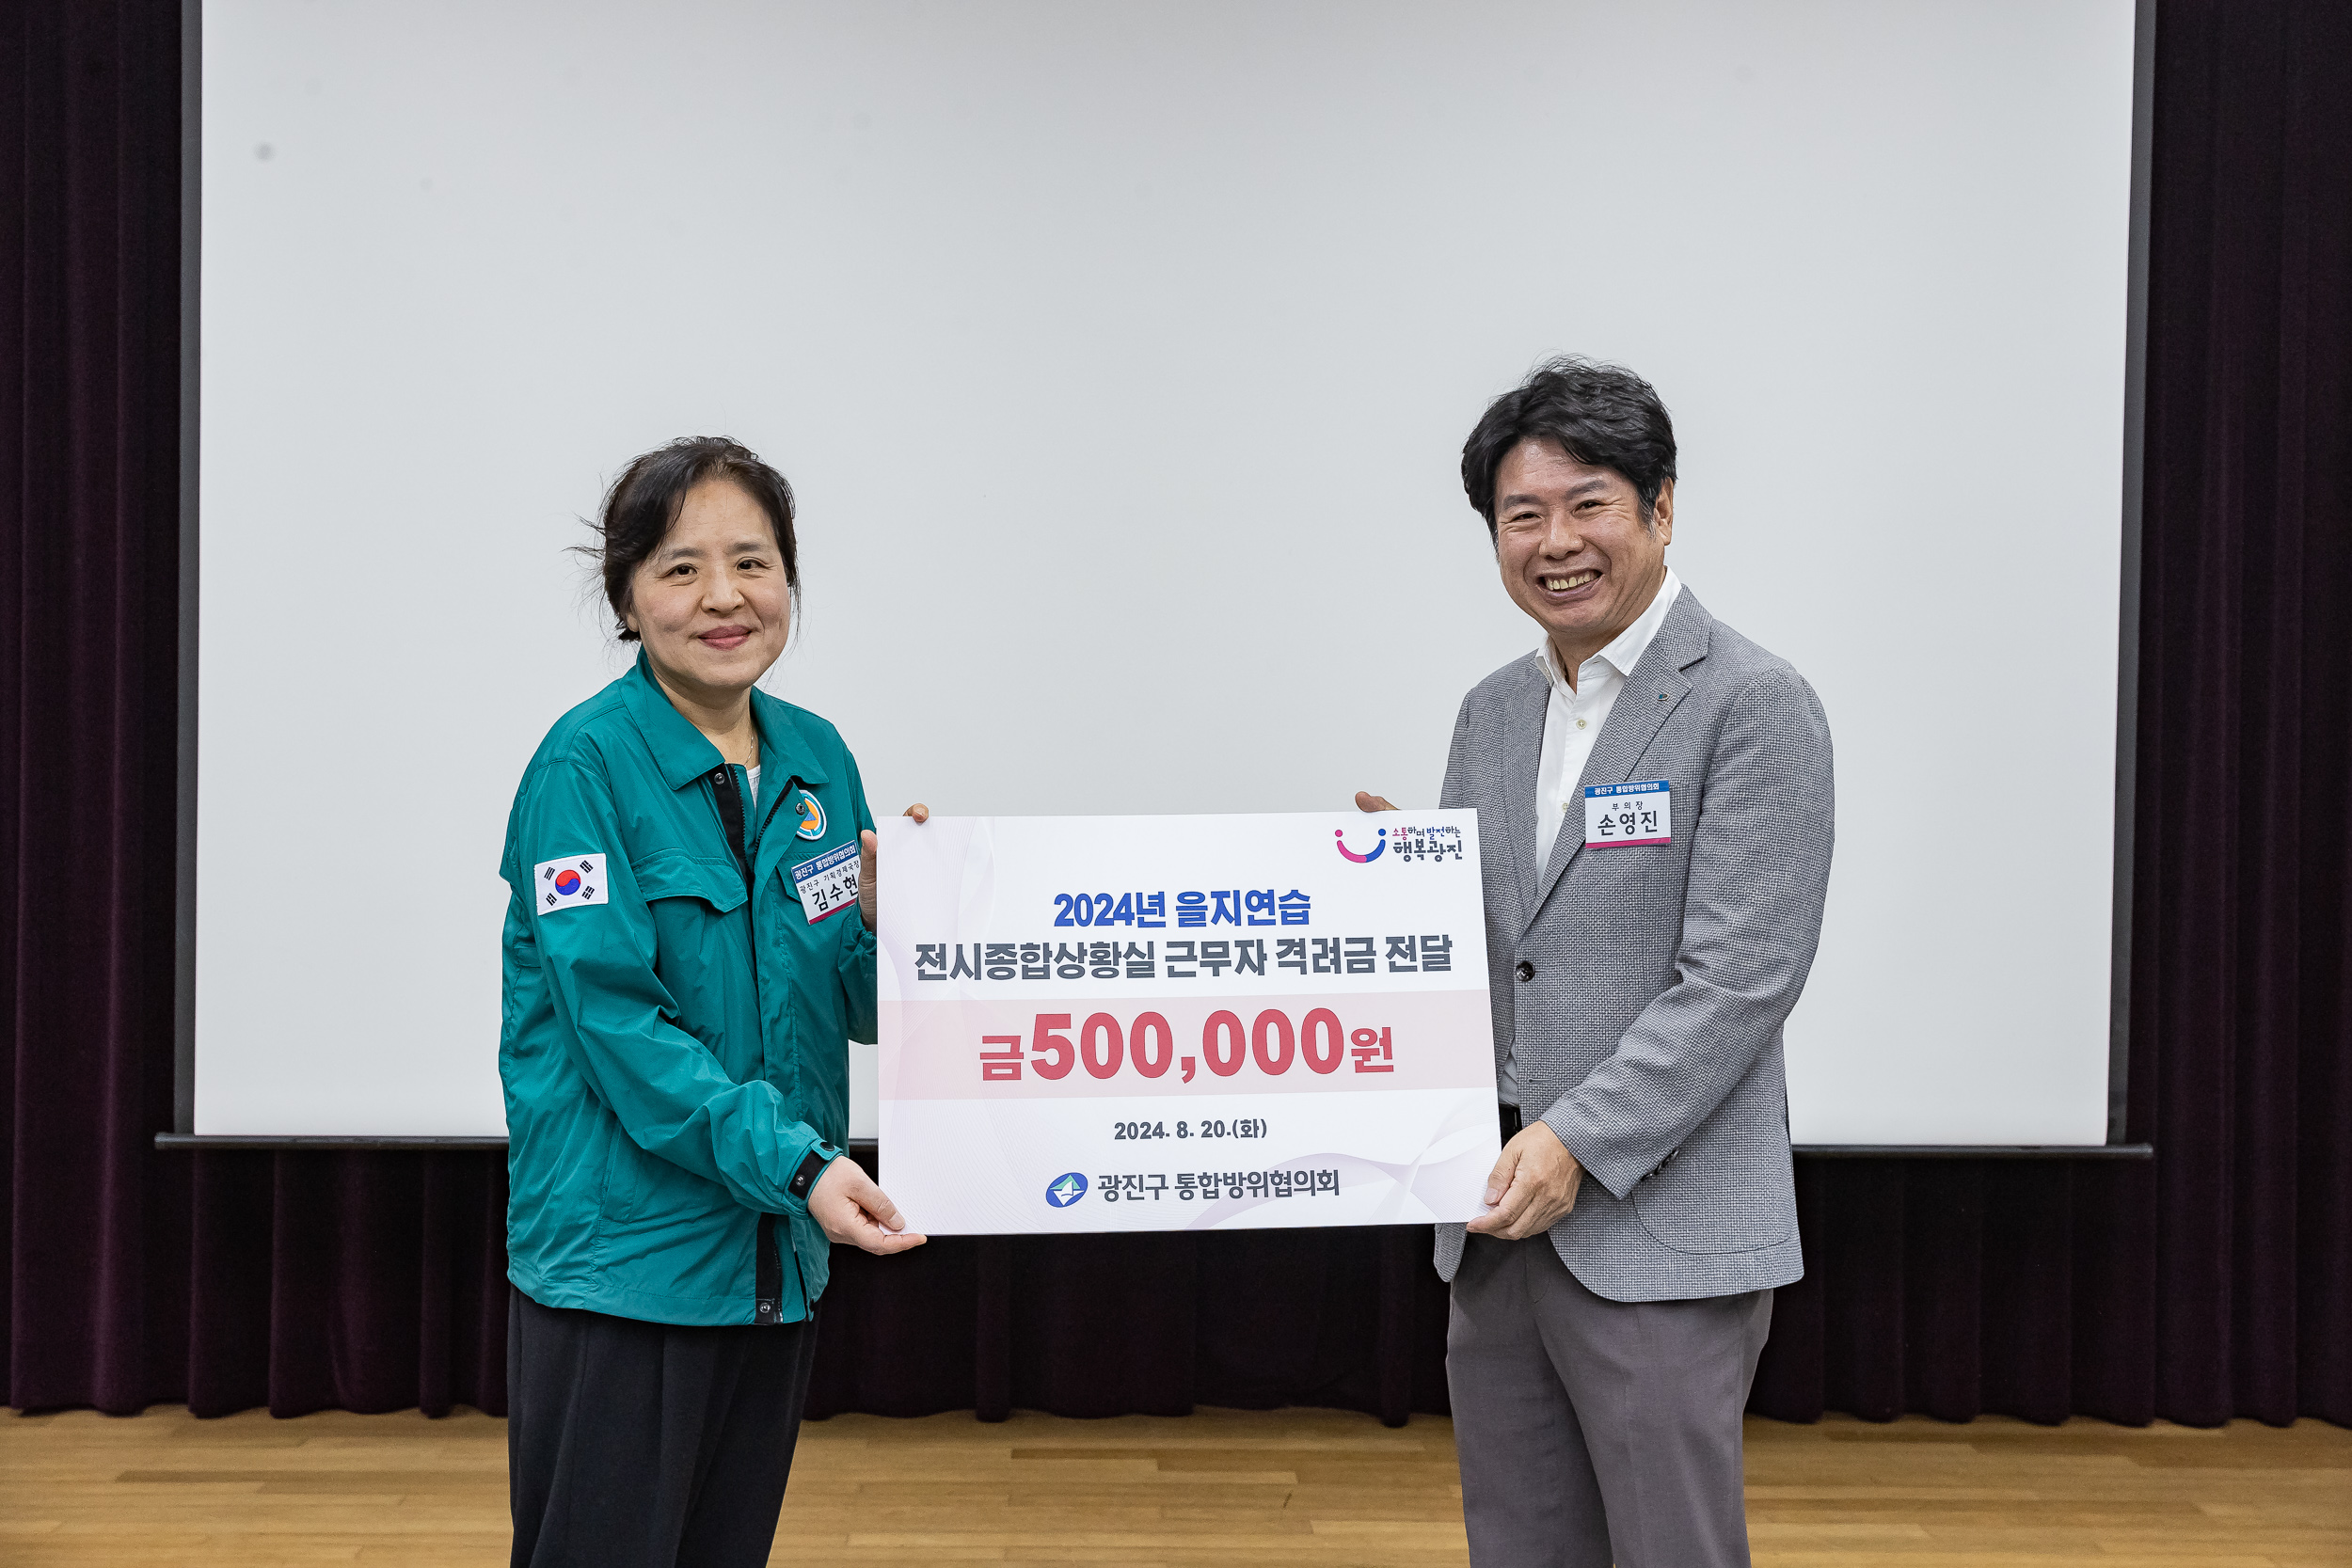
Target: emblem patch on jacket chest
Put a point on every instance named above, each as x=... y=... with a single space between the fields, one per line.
x=812 y=816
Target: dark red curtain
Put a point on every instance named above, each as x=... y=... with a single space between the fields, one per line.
x=2213 y=1282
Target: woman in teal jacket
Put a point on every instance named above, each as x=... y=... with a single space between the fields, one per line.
x=688 y=946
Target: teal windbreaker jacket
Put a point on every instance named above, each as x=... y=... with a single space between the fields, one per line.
x=674 y=1045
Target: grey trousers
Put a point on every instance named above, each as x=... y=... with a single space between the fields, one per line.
x=1593 y=1431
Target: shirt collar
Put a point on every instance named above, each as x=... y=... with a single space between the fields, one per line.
x=1626 y=649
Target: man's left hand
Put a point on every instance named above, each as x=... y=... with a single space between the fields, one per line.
x=1531 y=1185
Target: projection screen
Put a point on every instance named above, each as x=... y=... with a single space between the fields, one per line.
x=1121 y=359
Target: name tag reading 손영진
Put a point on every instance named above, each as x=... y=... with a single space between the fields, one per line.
x=828 y=884
x=1620 y=814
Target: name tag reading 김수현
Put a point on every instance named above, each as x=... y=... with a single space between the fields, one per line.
x=827 y=884
x=1619 y=814
x=1185 y=1023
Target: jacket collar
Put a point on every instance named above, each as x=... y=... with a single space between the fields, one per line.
x=782 y=747
x=1653 y=690
x=785 y=756
x=684 y=754
x=1522 y=760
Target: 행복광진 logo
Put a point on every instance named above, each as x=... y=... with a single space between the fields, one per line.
x=1067 y=1189
x=1341 y=834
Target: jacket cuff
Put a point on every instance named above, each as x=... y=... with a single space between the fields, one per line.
x=805 y=1172
x=1607 y=1160
x=812 y=1167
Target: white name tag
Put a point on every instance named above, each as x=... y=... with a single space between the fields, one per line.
x=828 y=884
x=1618 y=814
x=568 y=883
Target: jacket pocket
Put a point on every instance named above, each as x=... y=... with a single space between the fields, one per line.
x=702 y=944
x=610 y=1188
x=675 y=874
x=1727 y=1198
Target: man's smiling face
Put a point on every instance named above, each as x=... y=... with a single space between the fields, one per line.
x=1575 y=551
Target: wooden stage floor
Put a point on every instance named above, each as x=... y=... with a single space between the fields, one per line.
x=1230 y=1487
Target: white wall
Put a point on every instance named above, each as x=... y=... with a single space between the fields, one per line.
x=1121 y=357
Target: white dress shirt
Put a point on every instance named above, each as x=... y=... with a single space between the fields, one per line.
x=1572 y=721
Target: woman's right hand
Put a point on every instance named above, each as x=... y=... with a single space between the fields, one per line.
x=852 y=1209
x=868 y=888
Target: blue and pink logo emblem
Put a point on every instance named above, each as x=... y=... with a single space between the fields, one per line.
x=1341 y=834
x=566 y=883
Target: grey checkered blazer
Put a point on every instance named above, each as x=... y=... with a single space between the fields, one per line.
x=1645 y=986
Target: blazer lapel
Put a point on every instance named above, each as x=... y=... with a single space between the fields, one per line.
x=1652 y=692
x=1520 y=761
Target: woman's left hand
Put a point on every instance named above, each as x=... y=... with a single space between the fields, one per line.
x=850 y=1208
x=866 y=842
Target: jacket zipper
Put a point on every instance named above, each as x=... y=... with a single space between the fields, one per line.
x=768 y=1267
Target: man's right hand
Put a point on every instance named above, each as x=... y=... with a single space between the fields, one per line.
x=1367 y=800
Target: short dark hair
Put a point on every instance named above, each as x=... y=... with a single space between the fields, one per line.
x=1601 y=415
x=644 y=503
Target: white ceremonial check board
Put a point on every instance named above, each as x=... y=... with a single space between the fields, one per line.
x=1183 y=1022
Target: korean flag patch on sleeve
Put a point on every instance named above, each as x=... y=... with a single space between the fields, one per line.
x=568 y=883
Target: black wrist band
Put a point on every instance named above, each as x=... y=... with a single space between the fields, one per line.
x=812 y=1167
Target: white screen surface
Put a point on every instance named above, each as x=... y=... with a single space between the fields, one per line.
x=1122 y=359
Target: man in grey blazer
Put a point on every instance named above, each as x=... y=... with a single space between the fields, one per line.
x=1654 y=810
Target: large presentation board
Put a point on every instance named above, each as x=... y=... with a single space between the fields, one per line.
x=1121 y=357
x=1317 y=1051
